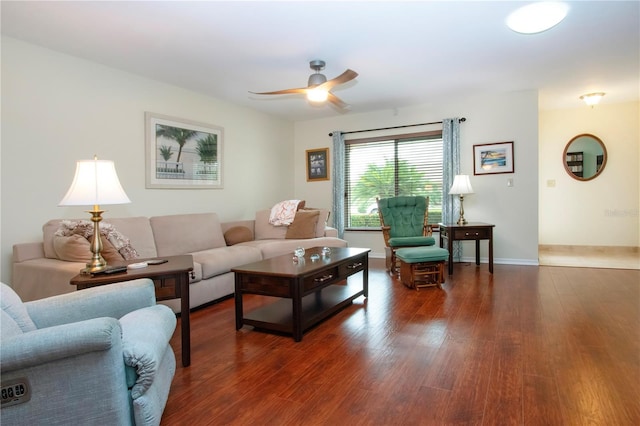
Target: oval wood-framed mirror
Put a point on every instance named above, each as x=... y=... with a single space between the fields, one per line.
x=584 y=157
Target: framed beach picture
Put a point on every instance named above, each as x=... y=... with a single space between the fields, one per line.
x=182 y=154
x=493 y=158
x=317 y=164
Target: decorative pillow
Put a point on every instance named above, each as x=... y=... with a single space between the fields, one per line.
x=322 y=220
x=238 y=234
x=84 y=228
x=76 y=248
x=304 y=224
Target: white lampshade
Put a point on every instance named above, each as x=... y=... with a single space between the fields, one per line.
x=461 y=185
x=96 y=182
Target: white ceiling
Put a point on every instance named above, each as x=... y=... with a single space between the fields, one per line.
x=407 y=53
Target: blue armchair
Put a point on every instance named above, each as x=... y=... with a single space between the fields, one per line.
x=96 y=356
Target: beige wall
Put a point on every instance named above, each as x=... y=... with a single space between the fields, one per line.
x=602 y=211
x=57 y=109
x=491 y=118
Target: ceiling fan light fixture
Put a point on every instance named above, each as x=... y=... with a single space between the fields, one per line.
x=317 y=95
x=592 y=99
x=316 y=79
x=537 y=17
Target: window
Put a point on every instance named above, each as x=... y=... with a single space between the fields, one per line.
x=391 y=166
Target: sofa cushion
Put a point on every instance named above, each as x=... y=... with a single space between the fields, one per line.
x=220 y=260
x=138 y=230
x=266 y=231
x=304 y=224
x=187 y=233
x=271 y=248
x=238 y=234
x=76 y=248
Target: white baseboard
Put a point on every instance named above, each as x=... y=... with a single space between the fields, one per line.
x=496 y=261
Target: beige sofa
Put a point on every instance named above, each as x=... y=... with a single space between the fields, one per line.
x=39 y=273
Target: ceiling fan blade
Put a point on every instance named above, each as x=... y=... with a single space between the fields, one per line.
x=337 y=101
x=282 y=92
x=348 y=75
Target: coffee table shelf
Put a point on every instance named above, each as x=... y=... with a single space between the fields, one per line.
x=278 y=316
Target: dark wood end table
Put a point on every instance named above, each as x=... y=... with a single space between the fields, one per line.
x=471 y=231
x=171 y=281
x=316 y=290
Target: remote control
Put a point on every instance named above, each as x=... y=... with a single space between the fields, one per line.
x=111 y=270
x=156 y=261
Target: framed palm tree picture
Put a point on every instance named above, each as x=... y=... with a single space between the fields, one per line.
x=182 y=154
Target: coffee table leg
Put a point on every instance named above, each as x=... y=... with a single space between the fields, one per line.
x=297 y=311
x=365 y=276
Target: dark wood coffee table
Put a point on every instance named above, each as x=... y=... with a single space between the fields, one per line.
x=316 y=290
x=171 y=281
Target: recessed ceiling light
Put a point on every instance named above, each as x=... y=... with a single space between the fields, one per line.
x=537 y=17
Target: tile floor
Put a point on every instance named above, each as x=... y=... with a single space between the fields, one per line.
x=591 y=257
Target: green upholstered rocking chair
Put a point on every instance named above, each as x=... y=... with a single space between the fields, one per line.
x=404 y=224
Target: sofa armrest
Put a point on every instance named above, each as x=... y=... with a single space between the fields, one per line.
x=143 y=347
x=112 y=300
x=330 y=232
x=27 y=251
x=50 y=344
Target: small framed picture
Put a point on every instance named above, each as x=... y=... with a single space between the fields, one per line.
x=317 y=164
x=493 y=158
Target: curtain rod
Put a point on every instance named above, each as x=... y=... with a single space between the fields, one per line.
x=461 y=120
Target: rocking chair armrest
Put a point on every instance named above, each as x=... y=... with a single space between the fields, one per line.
x=386 y=234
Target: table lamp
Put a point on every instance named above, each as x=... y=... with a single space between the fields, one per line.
x=95 y=183
x=461 y=186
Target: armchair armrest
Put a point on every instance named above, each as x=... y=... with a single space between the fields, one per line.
x=112 y=300
x=144 y=347
x=50 y=344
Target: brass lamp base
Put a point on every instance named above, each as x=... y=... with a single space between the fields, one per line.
x=461 y=219
x=97 y=262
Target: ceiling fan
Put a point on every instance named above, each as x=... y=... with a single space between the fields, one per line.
x=319 y=88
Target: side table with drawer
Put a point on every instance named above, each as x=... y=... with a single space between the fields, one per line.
x=171 y=281
x=472 y=231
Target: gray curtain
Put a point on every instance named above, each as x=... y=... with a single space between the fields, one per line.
x=338 y=183
x=451 y=168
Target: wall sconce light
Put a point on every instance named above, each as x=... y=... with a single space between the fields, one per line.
x=592 y=99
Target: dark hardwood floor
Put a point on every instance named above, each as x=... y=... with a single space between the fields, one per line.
x=526 y=346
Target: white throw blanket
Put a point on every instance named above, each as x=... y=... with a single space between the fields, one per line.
x=283 y=213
